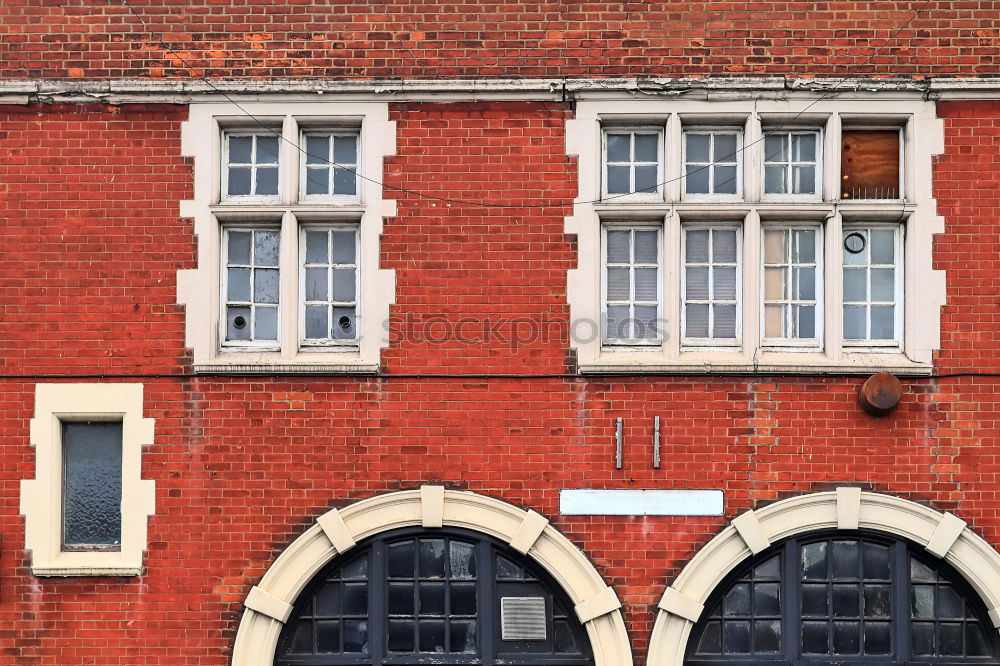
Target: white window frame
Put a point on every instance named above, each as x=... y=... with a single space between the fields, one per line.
x=817 y=194
x=358 y=168
x=632 y=226
x=712 y=130
x=902 y=161
x=660 y=152
x=711 y=342
x=899 y=256
x=797 y=344
x=259 y=345
x=42 y=497
x=307 y=343
x=251 y=198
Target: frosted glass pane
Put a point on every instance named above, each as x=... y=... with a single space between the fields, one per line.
x=774 y=321
x=92 y=484
x=804 y=147
x=646 y=179
x=804 y=180
x=883 y=286
x=618 y=180
x=883 y=327
x=344 y=323
x=618 y=284
x=240 y=149
x=239 y=248
x=239 y=181
x=645 y=284
x=725 y=148
x=805 y=320
x=238 y=285
x=267 y=181
x=316 y=284
x=855 y=289
x=697 y=147
x=266 y=325
x=343 y=284
x=805 y=246
x=774 y=246
x=317 y=149
x=774 y=180
x=344 y=247
x=317 y=181
x=618 y=247
x=805 y=279
x=267 y=149
x=646 y=247
x=345 y=181
x=618 y=322
x=776 y=148
x=854 y=322
x=238 y=323
x=646 y=147
x=345 y=150
x=696 y=283
x=696 y=321
x=265 y=288
x=696 y=246
x=696 y=181
x=882 y=247
x=725 y=180
x=316 y=324
x=316 y=247
x=724 y=324
x=774 y=284
x=724 y=246
x=724 y=283
x=618 y=147
x=266 y=248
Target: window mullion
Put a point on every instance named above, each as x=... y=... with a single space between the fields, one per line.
x=378 y=627
x=899 y=610
x=791 y=614
x=486 y=604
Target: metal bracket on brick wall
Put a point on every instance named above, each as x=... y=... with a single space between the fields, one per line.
x=656 y=442
x=618 y=442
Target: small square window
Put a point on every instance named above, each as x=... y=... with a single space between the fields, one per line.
x=870 y=164
x=330 y=166
x=713 y=162
x=872 y=284
x=632 y=289
x=792 y=289
x=633 y=164
x=92 y=485
x=251 y=286
x=711 y=285
x=330 y=285
x=250 y=168
x=792 y=164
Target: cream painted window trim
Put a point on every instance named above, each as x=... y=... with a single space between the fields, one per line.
x=41 y=497
x=337 y=531
x=924 y=138
x=942 y=534
x=198 y=289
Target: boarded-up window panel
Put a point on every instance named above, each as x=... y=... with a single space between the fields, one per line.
x=869 y=164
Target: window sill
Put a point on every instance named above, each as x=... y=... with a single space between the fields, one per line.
x=314 y=362
x=85 y=569
x=767 y=363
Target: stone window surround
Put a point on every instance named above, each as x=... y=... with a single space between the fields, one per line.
x=198 y=289
x=923 y=138
x=41 y=497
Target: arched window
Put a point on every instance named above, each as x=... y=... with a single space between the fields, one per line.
x=844 y=597
x=443 y=597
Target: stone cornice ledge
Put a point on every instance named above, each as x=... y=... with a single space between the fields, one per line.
x=187 y=90
x=286 y=368
x=839 y=369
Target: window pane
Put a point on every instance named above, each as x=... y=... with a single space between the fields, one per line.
x=854 y=322
x=431 y=636
x=344 y=323
x=774 y=321
x=401 y=560
x=646 y=284
x=618 y=284
x=737 y=601
x=805 y=321
x=240 y=149
x=239 y=248
x=265 y=286
x=875 y=560
x=328 y=636
x=356 y=598
x=950 y=604
x=328 y=600
x=804 y=147
x=696 y=246
x=316 y=323
x=814 y=599
x=619 y=322
x=618 y=180
x=696 y=318
x=431 y=598
x=316 y=249
x=767 y=636
x=814 y=560
x=805 y=279
x=266 y=323
x=846 y=601
x=877 y=638
x=805 y=246
x=646 y=179
x=724 y=245
x=463 y=561
x=401 y=599
x=239 y=181
x=725 y=148
x=345 y=150
x=846 y=559
x=238 y=285
x=355 y=636
x=883 y=326
x=267 y=149
x=92 y=483
x=237 y=323
x=401 y=633
x=345 y=181
x=431 y=558
x=765 y=599
x=317 y=149
x=725 y=180
x=804 y=179
x=317 y=181
x=646 y=324
x=696 y=180
x=876 y=601
x=815 y=638
x=618 y=147
x=697 y=147
x=646 y=250
x=463 y=636
x=646 y=149
x=774 y=180
x=344 y=247
x=855 y=285
x=883 y=284
x=776 y=148
x=736 y=637
x=724 y=283
x=343 y=284
x=846 y=637
x=462 y=599
x=266 y=248
x=724 y=324
x=696 y=283
x=882 y=246
x=267 y=181
x=618 y=247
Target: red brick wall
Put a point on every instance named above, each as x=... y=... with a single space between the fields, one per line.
x=242 y=466
x=394 y=38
